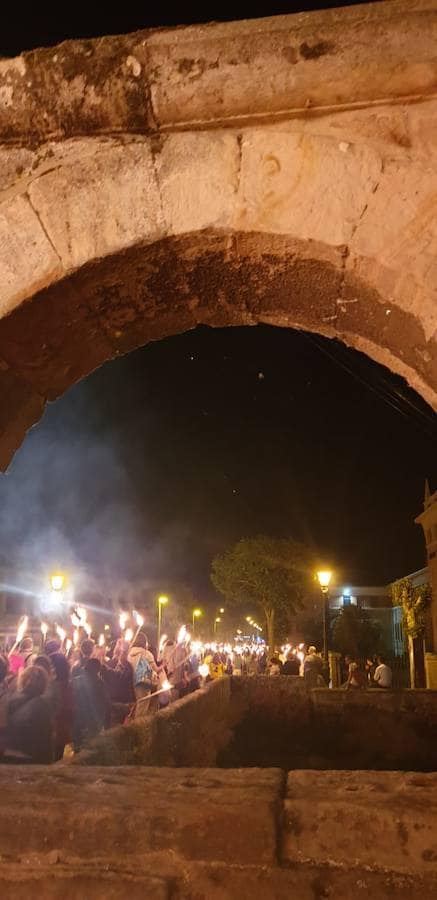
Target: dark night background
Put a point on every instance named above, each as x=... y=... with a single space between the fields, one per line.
x=161 y=459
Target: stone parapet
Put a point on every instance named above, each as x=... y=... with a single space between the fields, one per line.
x=183 y=834
x=189 y=732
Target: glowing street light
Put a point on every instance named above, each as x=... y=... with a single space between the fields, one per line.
x=217 y=621
x=324 y=579
x=162 y=601
x=196 y=615
x=57 y=581
x=221 y=610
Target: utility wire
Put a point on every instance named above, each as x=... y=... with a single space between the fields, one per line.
x=390 y=395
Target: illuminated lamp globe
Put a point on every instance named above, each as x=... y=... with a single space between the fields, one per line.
x=57 y=581
x=324 y=578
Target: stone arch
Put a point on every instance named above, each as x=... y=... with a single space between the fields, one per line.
x=120 y=225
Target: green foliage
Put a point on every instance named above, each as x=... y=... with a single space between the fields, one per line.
x=355 y=634
x=414 y=602
x=267 y=574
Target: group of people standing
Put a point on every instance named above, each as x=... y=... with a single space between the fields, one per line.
x=49 y=700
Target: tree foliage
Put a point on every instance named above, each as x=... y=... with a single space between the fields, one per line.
x=414 y=602
x=355 y=634
x=266 y=574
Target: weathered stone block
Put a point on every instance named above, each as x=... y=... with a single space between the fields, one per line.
x=365 y=818
x=27 y=257
x=101 y=204
x=304 y=185
x=124 y=812
x=198 y=176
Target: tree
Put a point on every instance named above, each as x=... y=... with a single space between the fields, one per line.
x=355 y=634
x=263 y=573
x=415 y=601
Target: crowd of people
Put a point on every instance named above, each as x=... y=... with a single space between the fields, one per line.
x=374 y=673
x=52 y=699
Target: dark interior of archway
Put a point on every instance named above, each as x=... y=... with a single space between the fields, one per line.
x=140 y=474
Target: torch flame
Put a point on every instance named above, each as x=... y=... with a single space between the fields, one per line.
x=184 y=636
x=22 y=628
x=128 y=635
x=139 y=620
x=62 y=634
x=166 y=686
x=76 y=637
x=123 y=617
x=102 y=640
x=44 y=629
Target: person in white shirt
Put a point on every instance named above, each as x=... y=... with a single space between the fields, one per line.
x=383 y=676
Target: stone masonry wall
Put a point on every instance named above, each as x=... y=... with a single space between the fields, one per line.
x=190 y=732
x=184 y=834
x=279 y=723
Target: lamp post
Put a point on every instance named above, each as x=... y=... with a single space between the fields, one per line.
x=324 y=578
x=57 y=581
x=217 y=618
x=196 y=615
x=161 y=602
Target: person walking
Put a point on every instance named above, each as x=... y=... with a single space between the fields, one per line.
x=291 y=665
x=7 y=685
x=145 y=670
x=62 y=694
x=21 y=657
x=312 y=668
x=118 y=676
x=29 y=729
x=91 y=704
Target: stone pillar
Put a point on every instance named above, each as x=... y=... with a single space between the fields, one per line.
x=416 y=653
x=428 y=521
x=431 y=671
x=334 y=668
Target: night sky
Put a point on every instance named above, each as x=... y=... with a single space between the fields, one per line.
x=161 y=459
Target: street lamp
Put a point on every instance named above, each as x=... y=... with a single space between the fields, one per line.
x=161 y=602
x=57 y=581
x=217 y=620
x=324 y=578
x=196 y=614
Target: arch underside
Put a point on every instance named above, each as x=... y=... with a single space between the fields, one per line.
x=211 y=277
